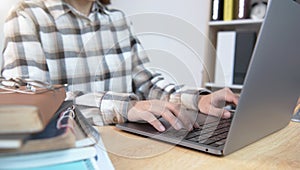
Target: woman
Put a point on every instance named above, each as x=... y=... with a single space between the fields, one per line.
x=91 y=48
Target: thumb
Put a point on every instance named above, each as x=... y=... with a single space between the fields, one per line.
x=219 y=112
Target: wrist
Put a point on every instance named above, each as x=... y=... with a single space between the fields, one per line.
x=199 y=97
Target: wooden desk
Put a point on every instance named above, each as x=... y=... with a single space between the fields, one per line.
x=129 y=151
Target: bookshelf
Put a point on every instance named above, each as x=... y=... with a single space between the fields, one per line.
x=214 y=28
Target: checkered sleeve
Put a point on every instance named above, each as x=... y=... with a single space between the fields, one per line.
x=113 y=106
x=23 y=56
x=148 y=84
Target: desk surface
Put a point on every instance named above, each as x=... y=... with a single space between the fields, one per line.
x=128 y=151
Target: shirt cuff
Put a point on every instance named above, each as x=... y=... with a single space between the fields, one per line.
x=189 y=98
x=114 y=107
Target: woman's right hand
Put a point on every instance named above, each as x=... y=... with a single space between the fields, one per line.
x=149 y=110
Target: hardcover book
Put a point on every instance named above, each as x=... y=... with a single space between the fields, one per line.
x=228 y=10
x=217 y=10
x=28 y=113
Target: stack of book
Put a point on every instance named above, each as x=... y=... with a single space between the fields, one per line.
x=42 y=131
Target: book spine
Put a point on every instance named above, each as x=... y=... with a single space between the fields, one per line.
x=12 y=141
x=242 y=9
x=225 y=57
x=228 y=10
x=217 y=10
x=245 y=42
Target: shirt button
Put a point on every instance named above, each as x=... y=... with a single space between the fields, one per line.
x=115 y=119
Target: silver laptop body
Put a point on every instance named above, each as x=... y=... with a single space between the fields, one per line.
x=271 y=87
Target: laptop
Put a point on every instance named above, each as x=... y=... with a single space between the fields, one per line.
x=270 y=91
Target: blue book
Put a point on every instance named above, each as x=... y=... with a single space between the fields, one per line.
x=86 y=164
x=47 y=158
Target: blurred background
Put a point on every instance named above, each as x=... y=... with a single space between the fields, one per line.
x=173 y=33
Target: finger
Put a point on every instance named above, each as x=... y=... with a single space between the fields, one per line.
x=231 y=97
x=226 y=114
x=196 y=125
x=187 y=123
x=182 y=115
x=150 y=118
x=193 y=117
x=218 y=112
x=175 y=109
x=188 y=118
x=174 y=121
x=157 y=125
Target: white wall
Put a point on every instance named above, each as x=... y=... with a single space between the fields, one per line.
x=4 y=8
x=173 y=32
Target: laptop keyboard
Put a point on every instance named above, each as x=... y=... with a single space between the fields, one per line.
x=213 y=133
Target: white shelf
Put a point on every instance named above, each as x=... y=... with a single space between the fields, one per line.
x=214 y=27
x=236 y=22
x=232 y=86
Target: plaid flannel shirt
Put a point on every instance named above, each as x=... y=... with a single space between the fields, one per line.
x=97 y=55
